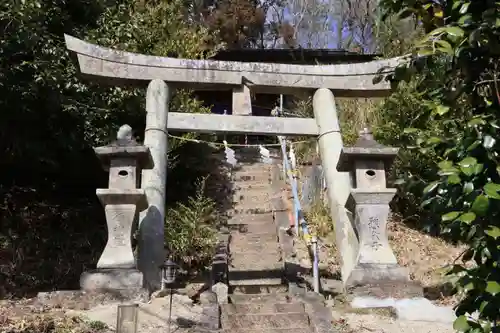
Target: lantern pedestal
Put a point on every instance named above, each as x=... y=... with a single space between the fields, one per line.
x=121 y=207
x=375 y=262
x=112 y=279
x=373 y=274
x=117 y=267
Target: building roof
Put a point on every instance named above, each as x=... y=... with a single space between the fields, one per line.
x=294 y=56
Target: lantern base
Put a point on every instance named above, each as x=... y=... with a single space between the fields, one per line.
x=112 y=279
x=80 y=299
x=373 y=274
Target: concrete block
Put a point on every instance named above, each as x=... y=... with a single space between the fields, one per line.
x=421 y=309
x=414 y=309
x=208 y=297
x=259 y=286
x=210 y=317
x=84 y=300
x=371 y=274
x=260 y=321
x=221 y=290
x=111 y=279
x=263 y=308
x=269 y=330
x=259 y=298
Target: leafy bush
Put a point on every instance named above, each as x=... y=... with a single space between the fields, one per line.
x=319 y=219
x=414 y=166
x=48 y=323
x=353 y=116
x=190 y=229
x=52 y=225
x=463 y=149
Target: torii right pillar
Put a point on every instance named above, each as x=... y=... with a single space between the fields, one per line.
x=375 y=262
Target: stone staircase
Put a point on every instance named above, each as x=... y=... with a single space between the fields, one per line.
x=255 y=258
x=264 y=314
x=261 y=297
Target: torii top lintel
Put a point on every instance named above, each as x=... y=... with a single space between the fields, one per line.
x=121 y=67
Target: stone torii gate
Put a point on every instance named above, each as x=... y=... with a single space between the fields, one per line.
x=162 y=75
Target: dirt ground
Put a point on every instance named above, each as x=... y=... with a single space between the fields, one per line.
x=374 y=323
x=30 y=316
x=426 y=257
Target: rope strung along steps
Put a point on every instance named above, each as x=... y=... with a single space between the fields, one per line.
x=221 y=144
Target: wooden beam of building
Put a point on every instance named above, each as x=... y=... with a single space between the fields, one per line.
x=119 y=67
x=209 y=123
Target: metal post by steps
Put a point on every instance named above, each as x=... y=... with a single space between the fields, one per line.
x=314 y=243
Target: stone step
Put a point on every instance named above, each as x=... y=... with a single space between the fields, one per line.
x=250 y=238
x=271 y=330
x=251 y=219
x=264 y=221
x=249 y=183
x=256 y=288
x=245 y=186
x=251 y=228
x=248 y=203
x=252 y=167
x=251 y=197
x=247 y=209
x=253 y=278
x=263 y=177
x=251 y=176
x=244 y=330
x=267 y=321
x=260 y=298
x=252 y=189
x=256 y=260
x=264 y=307
x=245 y=160
x=257 y=167
x=240 y=247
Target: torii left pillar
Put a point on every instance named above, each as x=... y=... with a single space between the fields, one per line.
x=151 y=251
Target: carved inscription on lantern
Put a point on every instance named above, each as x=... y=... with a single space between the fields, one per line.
x=118 y=250
x=120 y=223
x=374 y=230
x=119 y=235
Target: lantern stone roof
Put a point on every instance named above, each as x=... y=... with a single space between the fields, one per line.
x=365 y=148
x=125 y=146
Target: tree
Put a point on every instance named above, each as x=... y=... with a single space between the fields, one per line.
x=238 y=23
x=50 y=119
x=347 y=25
x=462 y=38
x=300 y=23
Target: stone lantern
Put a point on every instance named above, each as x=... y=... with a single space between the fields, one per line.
x=122 y=200
x=369 y=200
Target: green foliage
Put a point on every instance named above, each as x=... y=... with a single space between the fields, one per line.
x=319 y=218
x=53 y=226
x=463 y=37
x=47 y=323
x=190 y=229
x=350 y=117
x=401 y=116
